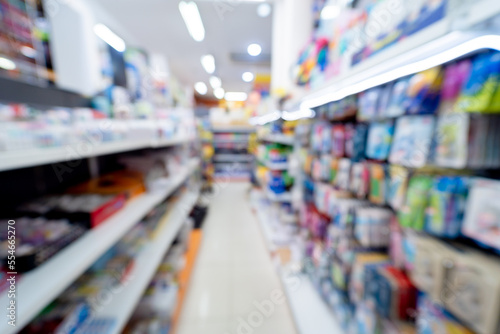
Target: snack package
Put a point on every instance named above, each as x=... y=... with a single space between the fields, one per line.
x=412 y=214
x=447 y=201
x=482 y=84
x=423 y=94
x=412 y=141
x=349 y=140
x=384 y=100
x=360 y=180
x=379 y=140
x=372 y=226
x=452 y=135
x=482 y=216
x=344 y=173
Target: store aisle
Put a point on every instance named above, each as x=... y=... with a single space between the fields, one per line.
x=234 y=288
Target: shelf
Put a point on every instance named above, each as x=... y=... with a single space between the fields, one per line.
x=122 y=305
x=39 y=287
x=275 y=165
x=279 y=139
x=231 y=141
x=233 y=130
x=233 y=157
x=40 y=156
x=283 y=198
x=310 y=312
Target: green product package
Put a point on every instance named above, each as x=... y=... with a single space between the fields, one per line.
x=412 y=214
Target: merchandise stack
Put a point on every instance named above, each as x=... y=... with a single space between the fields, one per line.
x=400 y=202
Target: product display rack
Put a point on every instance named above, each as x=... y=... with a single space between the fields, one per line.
x=231 y=158
x=34 y=157
x=468 y=16
x=279 y=139
x=39 y=287
x=303 y=299
x=123 y=304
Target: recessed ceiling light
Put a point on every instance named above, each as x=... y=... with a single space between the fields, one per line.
x=236 y=96
x=192 y=19
x=201 y=88
x=248 y=76
x=7 y=64
x=208 y=63
x=330 y=12
x=109 y=37
x=264 y=9
x=219 y=93
x=254 y=50
x=215 y=82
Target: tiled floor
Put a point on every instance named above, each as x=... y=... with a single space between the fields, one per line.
x=234 y=288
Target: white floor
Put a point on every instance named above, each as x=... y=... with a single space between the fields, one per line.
x=235 y=288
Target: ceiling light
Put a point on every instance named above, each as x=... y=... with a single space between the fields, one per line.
x=330 y=12
x=247 y=76
x=208 y=63
x=264 y=10
x=192 y=19
x=450 y=53
x=109 y=37
x=201 y=88
x=7 y=64
x=215 y=82
x=254 y=49
x=236 y=96
x=28 y=52
x=219 y=93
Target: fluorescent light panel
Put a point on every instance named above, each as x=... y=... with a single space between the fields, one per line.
x=236 y=96
x=7 y=64
x=208 y=63
x=109 y=37
x=215 y=82
x=192 y=19
x=219 y=93
x=201 y=88
x=441 y=58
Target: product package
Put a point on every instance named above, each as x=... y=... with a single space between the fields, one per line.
x=434 y=319
x=368 y=104
x=397 y=186
x=380 y=140
x=482 y=84
x=454 y=79
x=359 y=142
x=447 y=200
x=412 y=141
x=412 y=214
x=452 y=138
x=378 y=183
x=360 y=180
x=482 y=216
x=423 y=94
x=339 y=140
x=395 y=107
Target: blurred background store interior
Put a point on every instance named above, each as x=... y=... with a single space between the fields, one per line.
x=250 y=166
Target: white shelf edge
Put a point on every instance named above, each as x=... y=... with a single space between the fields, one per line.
x=10 y=160
x=37 y=288
x=303 y=299
x=275 y=165
x=146 y=264
x=279 y=139
x=233 y=157
x=310 y=313
x=283 y=198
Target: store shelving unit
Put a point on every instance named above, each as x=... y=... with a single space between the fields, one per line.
x=39 y=287
x=279 y=139
x=123 y=304
x=275 y=165
x=310 y=312
x=283 y=198
x=233 y=158
x=40 y=156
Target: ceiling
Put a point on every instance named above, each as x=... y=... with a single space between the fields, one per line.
x=157 y=26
